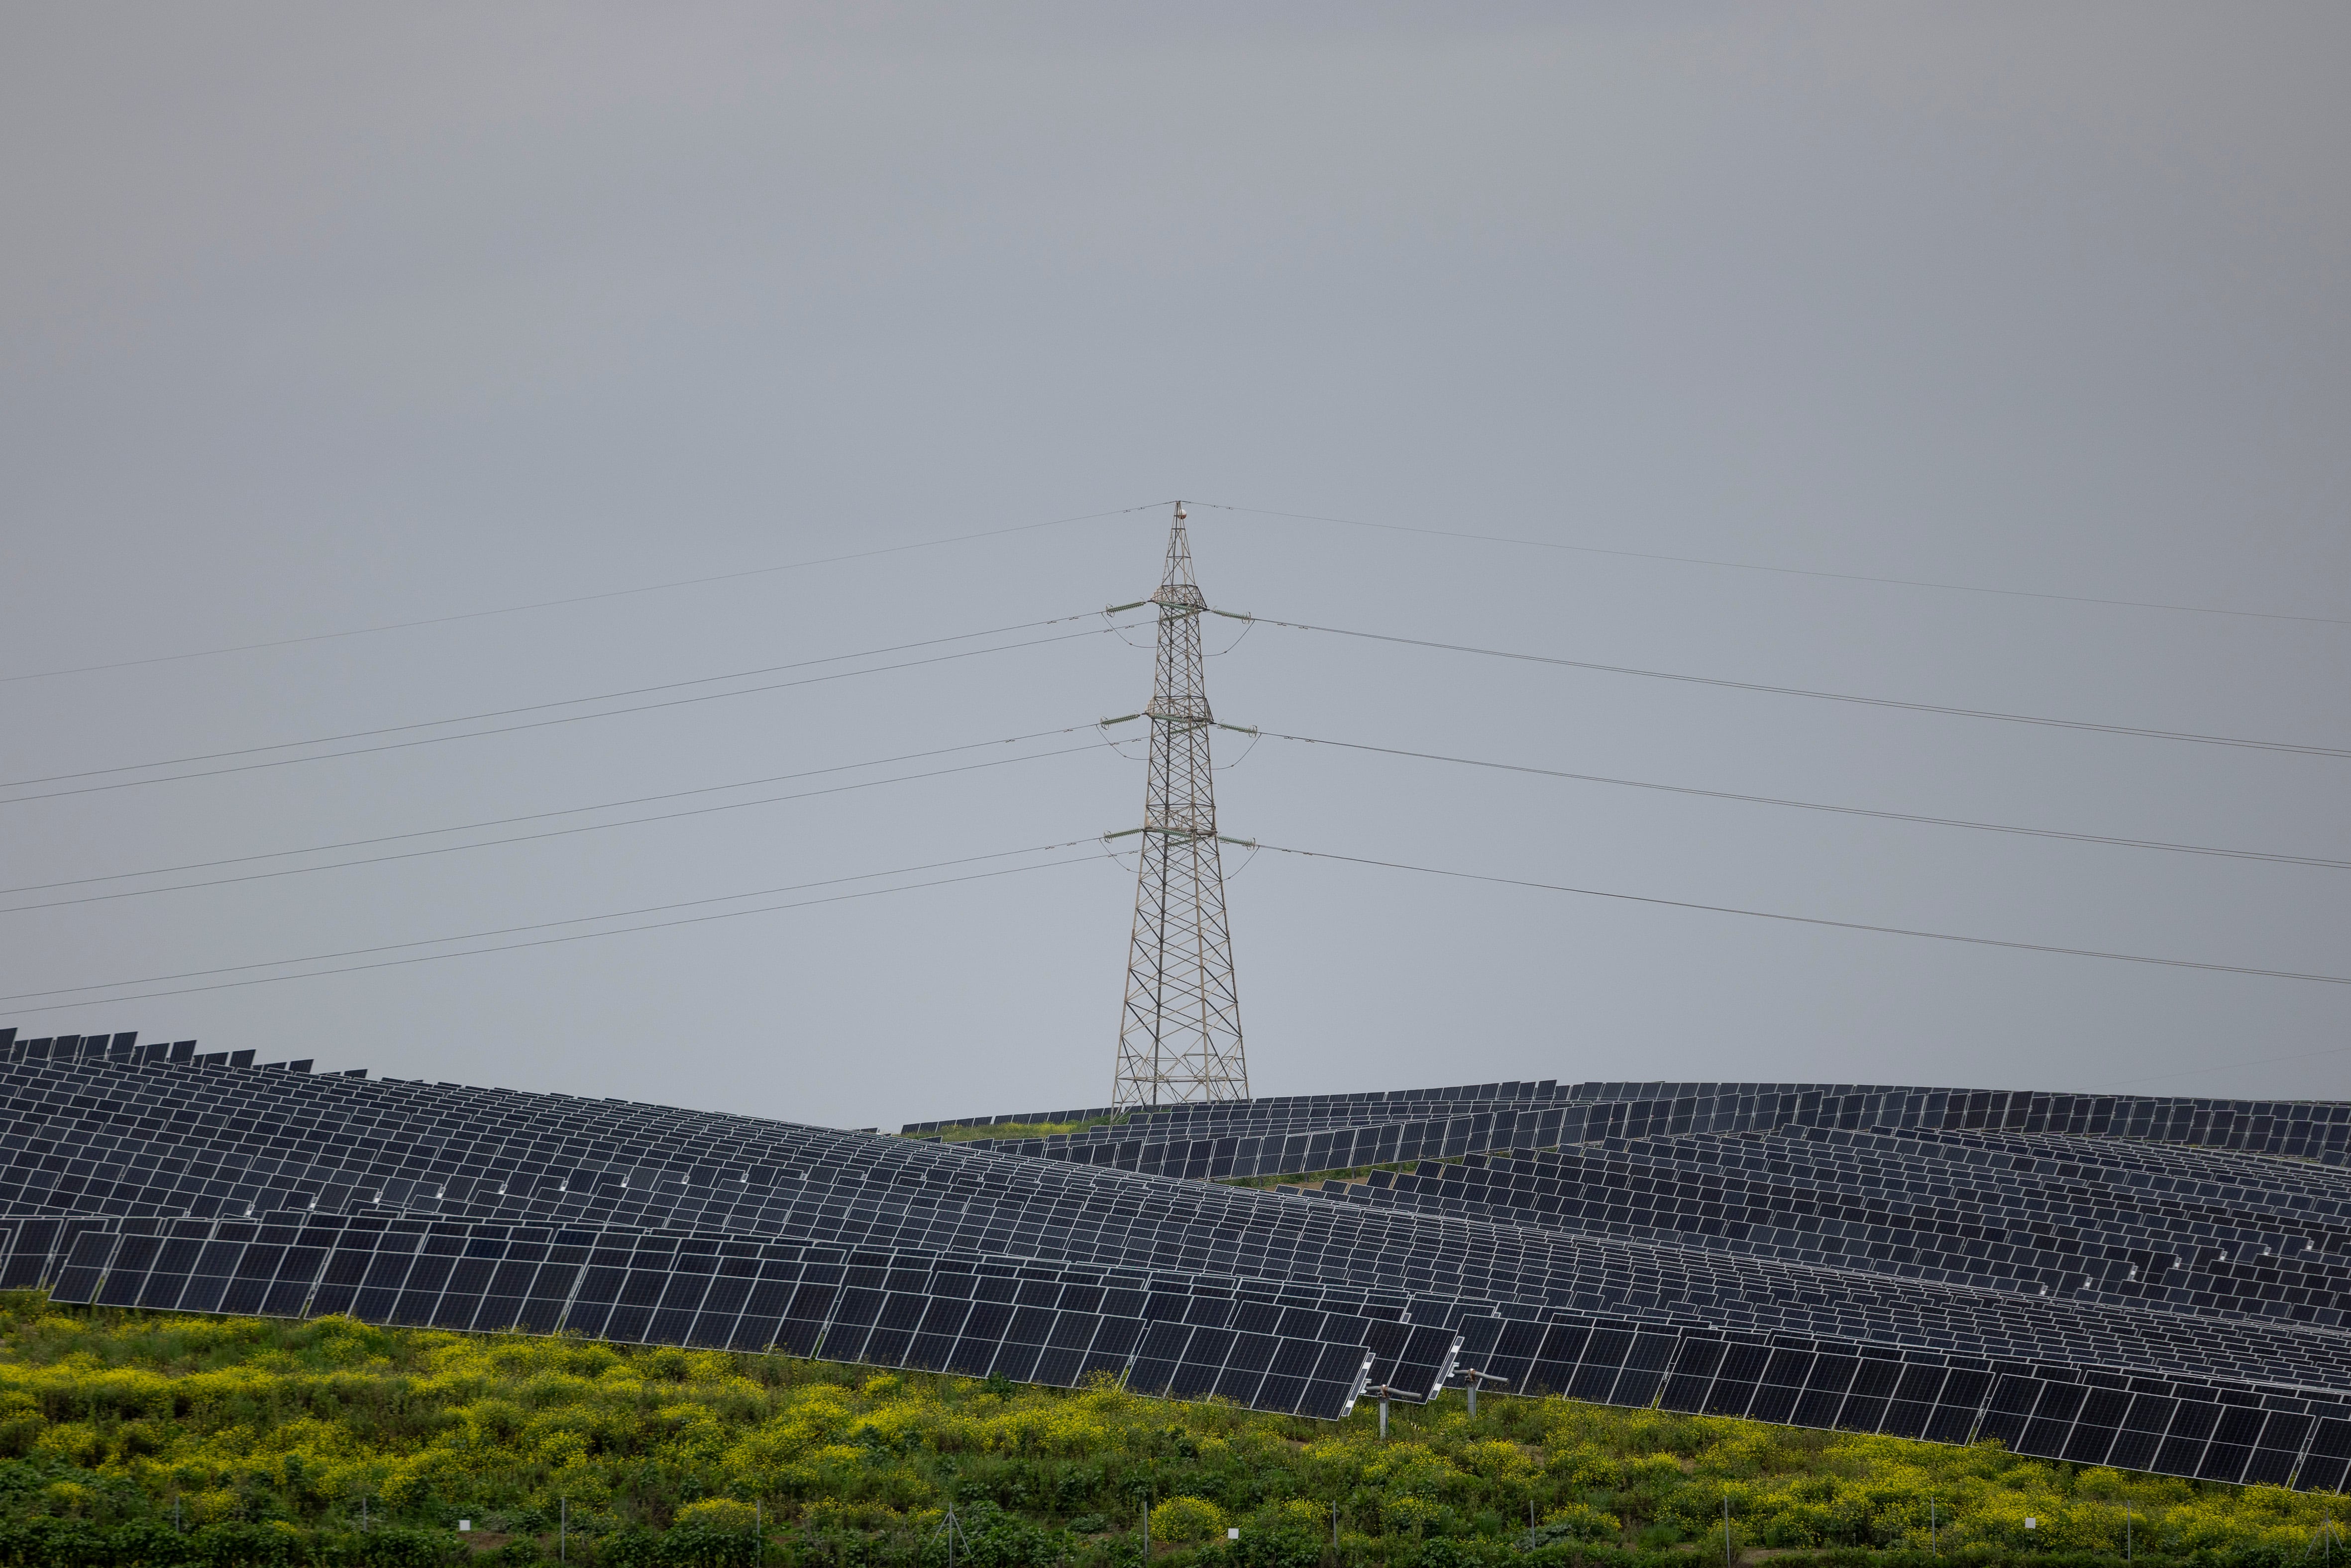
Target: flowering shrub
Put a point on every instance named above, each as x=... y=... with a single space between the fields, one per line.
x=720 y=1513
x=1576 y=1522
x=154 y=1440
x=1182 y=1518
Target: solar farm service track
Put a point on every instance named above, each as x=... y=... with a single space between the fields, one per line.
x=2159 y=1284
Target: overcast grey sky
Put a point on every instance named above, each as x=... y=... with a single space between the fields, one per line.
x=319 y=318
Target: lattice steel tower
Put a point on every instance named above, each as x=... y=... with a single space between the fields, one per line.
x=1179 y=1039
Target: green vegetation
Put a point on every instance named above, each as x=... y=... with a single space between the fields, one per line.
x=1018 y=1129
x=1316 y=1179
x=275 y=1442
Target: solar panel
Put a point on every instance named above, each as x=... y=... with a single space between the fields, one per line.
x=2136 y=1282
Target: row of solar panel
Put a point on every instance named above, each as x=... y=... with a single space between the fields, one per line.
x=1988 y=1228
x=1271 y=1118
x=2211 y=1432
x=1239 y=1157
x=1409 y=1101
x=2068 y=1201
x=2176 y=1170
x=1940 y=1100
x=1266 y=1120
x=2155 y=1430
x=2318 y=1130
x=2292 y=1192
x=1031 y=1325
x=124 y=1048
x=2285 y=1127
x=1239 y=1149
x=2297 y=1128
x=1016 y=1118
x=2315 y=1129
x=2271 y=1203
x=2207 y=1206
x=912 y=1309
x=33 y=1251
x=891 y=1192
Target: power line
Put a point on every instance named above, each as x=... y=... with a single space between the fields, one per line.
x=1815 y=805
x=2226 y=1067
x=1994 y=715
x=1784 y=570
x=581 y=597
x=1814 y=920
x=550 y=723
x=542 y=816
x=553 y=924
x=551 y=833
x=535 y=707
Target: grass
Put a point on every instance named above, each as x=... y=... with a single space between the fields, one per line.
x=1351 y=1174
x=966 y=1134
x=275 y=1441
x=1316 y=1179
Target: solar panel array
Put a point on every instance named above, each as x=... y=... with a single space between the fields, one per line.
x=2157 y=1284
x=1243 y=1139
x=1295 y=1350
x=2154 y=1226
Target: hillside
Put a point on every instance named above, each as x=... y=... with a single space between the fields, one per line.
x=334 y=1441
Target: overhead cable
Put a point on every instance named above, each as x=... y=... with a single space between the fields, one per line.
x=1806 y=919
x=1810 y=805
x=1990 y=713
x=583 y=598
x=1090 y=858
x=2232 y=1065
x=538 y=707
x=1782 y=570
x=569 y=719
x=543 y=816
x=550 y=833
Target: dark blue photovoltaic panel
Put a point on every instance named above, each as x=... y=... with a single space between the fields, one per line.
x=2153 y=1284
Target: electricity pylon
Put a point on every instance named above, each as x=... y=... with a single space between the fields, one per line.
x=1179 y=1039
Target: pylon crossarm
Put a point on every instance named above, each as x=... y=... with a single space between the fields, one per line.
x=1185 y=605
x=1183 y=836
